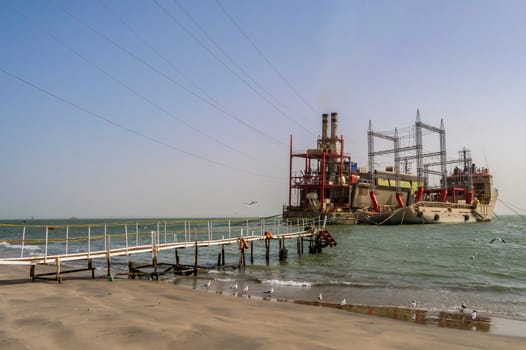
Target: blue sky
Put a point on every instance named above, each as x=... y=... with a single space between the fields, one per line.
x=165 y=109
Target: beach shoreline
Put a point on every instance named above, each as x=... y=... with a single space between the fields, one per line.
x=135 y=314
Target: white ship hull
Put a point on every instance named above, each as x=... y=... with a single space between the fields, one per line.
x=431 y=213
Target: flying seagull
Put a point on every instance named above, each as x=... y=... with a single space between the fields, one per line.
x=249 y=204
x=498 y=239
x=207 y=284
x=270 y=291
x=234 y=286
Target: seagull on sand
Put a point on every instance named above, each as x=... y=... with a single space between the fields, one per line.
x=343 y=302
x=270 y=291
x=473 y=315
x=498 y=239
x=320 y=297
x=207 y=284
x=245 y=290
x=463 y=307
x=413 y=304
x=234 y=286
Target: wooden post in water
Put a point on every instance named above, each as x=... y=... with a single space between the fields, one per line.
x=222 y=254
x=195 y=259
x=252 y=253
x=267 y=250
x=108 y=256
x=283 y=252
x=176 y=257
x=298 y=247
x=243 y=244
x=154 y=253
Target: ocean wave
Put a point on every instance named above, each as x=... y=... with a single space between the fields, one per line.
x=19 y=246
x=289 y=283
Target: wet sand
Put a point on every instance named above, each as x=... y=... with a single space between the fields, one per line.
x=139 y=314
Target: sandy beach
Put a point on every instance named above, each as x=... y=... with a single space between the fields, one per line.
x=139 y=314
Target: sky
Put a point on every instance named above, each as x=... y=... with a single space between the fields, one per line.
x=182 y=108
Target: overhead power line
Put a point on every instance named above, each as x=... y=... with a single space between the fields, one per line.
x=135 y=92
x=273 y=101
x=266 y=59
x=126 y=128
x=216 y=57
x=167 y=77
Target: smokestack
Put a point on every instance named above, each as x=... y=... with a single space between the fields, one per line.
x=324 y=127
x=334 y=129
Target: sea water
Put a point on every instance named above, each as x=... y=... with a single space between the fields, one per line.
x=438 y=266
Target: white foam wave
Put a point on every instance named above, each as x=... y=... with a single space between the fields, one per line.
x=289 y=283
x=19 y=246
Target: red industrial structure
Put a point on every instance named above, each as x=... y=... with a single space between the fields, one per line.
x=323 y=185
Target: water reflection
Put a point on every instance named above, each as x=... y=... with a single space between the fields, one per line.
x=458 y=319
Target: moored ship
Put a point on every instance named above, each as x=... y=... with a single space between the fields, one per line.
x=331 y=184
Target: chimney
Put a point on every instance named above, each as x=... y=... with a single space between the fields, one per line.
x=324 y=128
x=334 y=130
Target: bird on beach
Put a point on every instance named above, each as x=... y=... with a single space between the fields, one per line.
x=497 y=239
x=207 y=284
x=235 y=286
x=463 y=307
x=320 y=297
x=245 y=290
x=343 y=302
x=413 y=304
x=473 y=315
x=270 y=291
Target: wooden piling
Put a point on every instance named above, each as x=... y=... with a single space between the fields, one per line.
x=176 y=257
x=251 y=253
x=267 y=251
x=108 y=263
x=90 y=267
x=283 y=252
x=59 y=277
x=195 y=259
x=222 y=254
x=155 y=275
x=298 y=247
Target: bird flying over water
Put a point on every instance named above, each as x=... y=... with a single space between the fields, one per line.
x=463 y=306
x=270 y=291
x=497 y=239
x=249 y=204
x=207 y=284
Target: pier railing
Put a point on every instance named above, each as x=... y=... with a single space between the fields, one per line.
x=49 y=244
